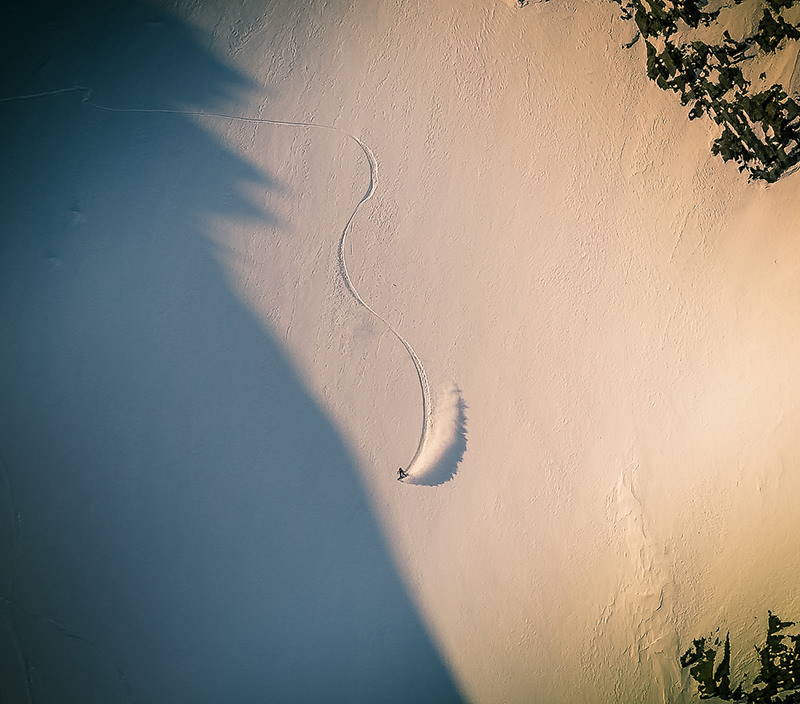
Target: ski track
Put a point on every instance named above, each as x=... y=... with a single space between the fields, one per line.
x=427 y=406
x=8 y=599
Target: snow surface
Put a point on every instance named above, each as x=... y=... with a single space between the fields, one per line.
x=201 y=424
x=443 y=447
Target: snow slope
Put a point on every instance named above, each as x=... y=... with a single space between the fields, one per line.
x=617 y=308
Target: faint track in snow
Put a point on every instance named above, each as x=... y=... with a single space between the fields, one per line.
x=427 y=406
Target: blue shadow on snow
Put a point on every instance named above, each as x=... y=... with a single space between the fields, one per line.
x=187 y=524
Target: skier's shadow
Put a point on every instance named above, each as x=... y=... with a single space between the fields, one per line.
x=186 y=514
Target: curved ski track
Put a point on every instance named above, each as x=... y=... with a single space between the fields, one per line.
x=427 y=408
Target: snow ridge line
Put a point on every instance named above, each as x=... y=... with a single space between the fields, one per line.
x=427 y=406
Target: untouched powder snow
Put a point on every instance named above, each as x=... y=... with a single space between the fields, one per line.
x=221 y=333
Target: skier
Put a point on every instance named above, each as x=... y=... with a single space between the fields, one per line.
x=401 y=474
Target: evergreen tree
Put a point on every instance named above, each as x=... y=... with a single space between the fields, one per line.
x=760 y=130
x=778 y=679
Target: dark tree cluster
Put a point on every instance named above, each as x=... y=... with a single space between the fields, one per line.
x=659 y=18
x=760 y=130
x=778 y=679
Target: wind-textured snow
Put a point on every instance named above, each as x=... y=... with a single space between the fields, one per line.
x=214 y=329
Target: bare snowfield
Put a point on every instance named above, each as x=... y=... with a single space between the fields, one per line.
x=203 y=414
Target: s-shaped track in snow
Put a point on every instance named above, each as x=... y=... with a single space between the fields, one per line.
x=427 y=408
